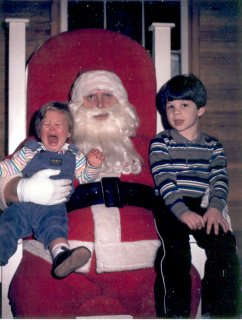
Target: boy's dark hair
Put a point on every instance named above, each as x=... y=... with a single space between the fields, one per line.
x=181 y=87
x=53 y=105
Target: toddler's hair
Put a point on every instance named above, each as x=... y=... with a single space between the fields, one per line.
x=53 y=105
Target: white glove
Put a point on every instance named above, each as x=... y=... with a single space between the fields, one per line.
x=41 y=189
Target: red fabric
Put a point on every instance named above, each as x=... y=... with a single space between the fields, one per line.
x=51 y=72
x=35 y=294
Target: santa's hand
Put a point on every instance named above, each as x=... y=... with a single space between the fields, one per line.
x=41 y=189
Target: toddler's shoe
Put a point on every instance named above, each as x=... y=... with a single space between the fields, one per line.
x=68 y=261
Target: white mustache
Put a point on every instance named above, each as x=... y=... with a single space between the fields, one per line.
x=95 y=112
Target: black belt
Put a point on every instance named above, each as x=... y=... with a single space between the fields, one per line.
x=113 y=193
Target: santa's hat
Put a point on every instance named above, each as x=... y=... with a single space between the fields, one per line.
x=89 y=81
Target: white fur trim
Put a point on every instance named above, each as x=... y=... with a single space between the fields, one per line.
x=126 y=255
x=111 y=253
x=37 y=249
x=107 y=224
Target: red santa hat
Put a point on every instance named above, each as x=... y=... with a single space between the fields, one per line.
x=89 y=81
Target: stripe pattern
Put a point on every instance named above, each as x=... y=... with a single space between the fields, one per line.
x=183 y=168
x=84 y=172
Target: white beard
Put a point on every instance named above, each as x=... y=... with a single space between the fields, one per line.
x=111 y=136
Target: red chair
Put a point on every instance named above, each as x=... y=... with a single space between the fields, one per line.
x=33 y=292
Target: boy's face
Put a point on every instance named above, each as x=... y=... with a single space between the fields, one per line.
x=183 y=116
x=54 y=130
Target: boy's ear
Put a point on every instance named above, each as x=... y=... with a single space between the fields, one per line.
x=201 y=111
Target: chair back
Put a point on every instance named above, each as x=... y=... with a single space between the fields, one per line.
x=53 y=68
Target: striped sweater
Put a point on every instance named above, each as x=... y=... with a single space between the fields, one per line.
x=84 y=172
x=183 y=168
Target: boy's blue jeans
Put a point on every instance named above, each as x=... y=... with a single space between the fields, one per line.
x=221 y=282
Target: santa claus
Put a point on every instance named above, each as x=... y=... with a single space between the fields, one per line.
x=119 y=277
x=105 y=118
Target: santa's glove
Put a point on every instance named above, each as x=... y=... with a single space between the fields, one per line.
x=41 y=189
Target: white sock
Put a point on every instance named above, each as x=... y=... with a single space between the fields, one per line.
x=58 y=248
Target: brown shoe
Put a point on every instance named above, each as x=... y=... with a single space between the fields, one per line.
x=68 y=261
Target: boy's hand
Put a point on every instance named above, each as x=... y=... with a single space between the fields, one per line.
x=213 y=217
x=95 y=158
x=193 y=220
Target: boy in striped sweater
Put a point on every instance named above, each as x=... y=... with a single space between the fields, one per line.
x=186 y=162
x=53 y=126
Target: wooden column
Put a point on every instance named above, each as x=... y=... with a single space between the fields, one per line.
x=16 y=83
x=161 y=51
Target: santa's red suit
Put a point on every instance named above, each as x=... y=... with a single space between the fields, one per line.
x=119 y=278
